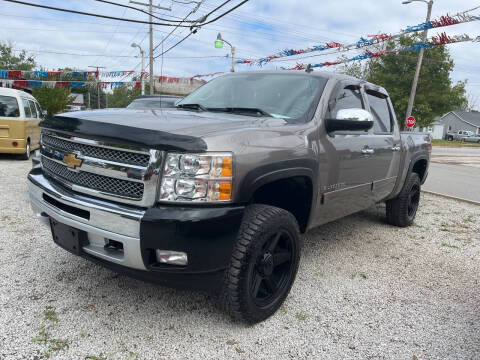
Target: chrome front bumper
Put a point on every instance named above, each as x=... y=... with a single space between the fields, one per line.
x=106 y=222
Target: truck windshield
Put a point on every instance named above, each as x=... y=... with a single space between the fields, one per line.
x=287 y=96
x=9 y=106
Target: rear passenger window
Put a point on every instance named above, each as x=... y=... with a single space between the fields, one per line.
x=9 y=107
x=381 y=112
x=26 y=107
x=348 y=98
x=32 y=109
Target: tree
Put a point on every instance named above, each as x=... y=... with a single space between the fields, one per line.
x=54 y=100
x=122 y=96
x=436 y=94
x=9 y=61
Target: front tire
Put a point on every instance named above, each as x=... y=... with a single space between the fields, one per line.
x=402 y=210
x=264 y=263
x=28 y=151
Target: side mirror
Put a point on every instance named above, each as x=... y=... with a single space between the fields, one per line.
x=44 y=113
x=350 y=120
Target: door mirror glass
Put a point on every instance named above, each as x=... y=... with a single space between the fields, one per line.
x=350 y=120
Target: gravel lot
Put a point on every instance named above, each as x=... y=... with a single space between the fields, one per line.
x=364 y=290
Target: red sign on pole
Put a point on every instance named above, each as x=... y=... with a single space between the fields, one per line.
x=410 y=122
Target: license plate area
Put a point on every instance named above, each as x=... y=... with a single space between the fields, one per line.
x=69 y=238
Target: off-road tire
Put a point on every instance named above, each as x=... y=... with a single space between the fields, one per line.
x=399 y=210
x=260 y=224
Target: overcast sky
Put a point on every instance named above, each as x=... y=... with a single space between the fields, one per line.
x=259 y=28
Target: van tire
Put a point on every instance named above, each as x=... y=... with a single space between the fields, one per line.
x=401 y=211
x=28 y=151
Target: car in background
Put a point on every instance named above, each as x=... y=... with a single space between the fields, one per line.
x=458 y=135
x=20 y=114
x=148 y=102
x=472 y=139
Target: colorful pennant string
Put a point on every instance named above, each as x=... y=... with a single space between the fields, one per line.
x=443 y=21
x=440 y=40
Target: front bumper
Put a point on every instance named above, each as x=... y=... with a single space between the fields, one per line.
x=207 y=235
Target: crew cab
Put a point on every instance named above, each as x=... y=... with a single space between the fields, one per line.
x=215 y=194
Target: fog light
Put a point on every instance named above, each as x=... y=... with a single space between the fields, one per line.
x=171 y=257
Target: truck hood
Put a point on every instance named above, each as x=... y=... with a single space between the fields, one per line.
x=166 y=129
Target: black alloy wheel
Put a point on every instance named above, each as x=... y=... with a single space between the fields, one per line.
x=413 y=201
x=272 y=270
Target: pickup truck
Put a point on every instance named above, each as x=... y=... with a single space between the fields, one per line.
x=215 y=194
x=450 y=136
x=472 y=138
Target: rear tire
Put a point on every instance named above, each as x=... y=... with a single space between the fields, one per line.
x=402 y=210
x=28 y=151
x=264 y=263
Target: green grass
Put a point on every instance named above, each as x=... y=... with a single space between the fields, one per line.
x=454 y=143
x=444 y=244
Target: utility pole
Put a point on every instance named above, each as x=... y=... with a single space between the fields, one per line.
x=142 y=77
x=97 y=75
x=219 y=45
x=420 y=58
x=150 y=12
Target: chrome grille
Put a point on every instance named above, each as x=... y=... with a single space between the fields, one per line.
x=123 y=188
x=119 y=156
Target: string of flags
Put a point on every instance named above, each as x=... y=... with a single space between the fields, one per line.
x=443 y=21
x=43 y=75
x=439 y=40
x=35 y=84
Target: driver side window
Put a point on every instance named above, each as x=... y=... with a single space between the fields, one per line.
x=347 y=98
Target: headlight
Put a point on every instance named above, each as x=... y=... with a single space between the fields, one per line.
x=197 y=177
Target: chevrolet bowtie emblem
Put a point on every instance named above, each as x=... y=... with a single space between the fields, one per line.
x=72 y=161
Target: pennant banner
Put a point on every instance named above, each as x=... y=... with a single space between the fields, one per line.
x=35 y=84
x=443 y=21
x=440 y=40
x=43 y=75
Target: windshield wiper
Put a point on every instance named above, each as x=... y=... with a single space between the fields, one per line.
x=241 y=110
x=192 y=106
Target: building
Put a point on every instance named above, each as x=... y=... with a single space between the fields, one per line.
x=454 y=121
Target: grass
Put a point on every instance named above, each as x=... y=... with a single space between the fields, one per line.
x=444 y=244
x=301 y=316
x=454 y=143
x=43 y=337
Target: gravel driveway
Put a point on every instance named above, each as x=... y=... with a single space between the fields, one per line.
x=365 y=290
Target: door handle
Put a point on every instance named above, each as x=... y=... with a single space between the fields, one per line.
x=368 y=151
x=396 y=148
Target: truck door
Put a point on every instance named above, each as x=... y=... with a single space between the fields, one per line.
x=345 y=161
x=386 y=144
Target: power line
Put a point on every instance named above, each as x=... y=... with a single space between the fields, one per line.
x=92 y=14
x=137 y=9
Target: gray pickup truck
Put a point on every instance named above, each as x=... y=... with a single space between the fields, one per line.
x=213 y=195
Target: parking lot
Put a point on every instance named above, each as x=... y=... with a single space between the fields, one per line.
x=364 y=290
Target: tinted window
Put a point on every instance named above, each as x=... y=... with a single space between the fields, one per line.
x=33 y=109
x=26 y=107
x=286 y=96
x=380 y=111
x=347 y=98
x=9 y=106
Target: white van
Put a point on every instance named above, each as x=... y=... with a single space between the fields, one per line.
x=20 y=114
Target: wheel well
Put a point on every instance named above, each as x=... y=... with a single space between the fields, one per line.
x=293 y=194
x=420 y=167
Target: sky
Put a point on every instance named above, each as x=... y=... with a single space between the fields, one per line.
x=257 y=29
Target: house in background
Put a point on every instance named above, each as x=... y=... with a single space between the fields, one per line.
x=78 y=104
x=454 y=121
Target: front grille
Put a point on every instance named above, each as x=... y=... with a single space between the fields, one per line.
x=119 y=156
x=113 y=186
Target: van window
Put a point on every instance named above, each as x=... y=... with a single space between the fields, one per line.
x=39 y=110
x=26 y=107
x=32 y=109
x=9 y=106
